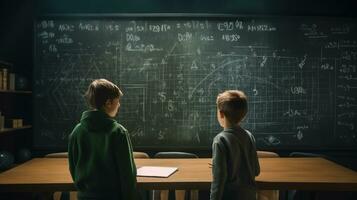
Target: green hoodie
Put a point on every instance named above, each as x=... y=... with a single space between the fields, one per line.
x=101 y=159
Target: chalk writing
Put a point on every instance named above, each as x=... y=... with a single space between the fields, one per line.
x=299 y=75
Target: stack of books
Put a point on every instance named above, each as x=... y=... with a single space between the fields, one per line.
x=8 y=83
x=7 y=78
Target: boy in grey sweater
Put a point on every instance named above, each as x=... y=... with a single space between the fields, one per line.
x=235 y=160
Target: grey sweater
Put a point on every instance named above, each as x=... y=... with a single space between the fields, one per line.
x=235 y=165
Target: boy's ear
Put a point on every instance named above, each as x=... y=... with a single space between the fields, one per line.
x=221 y=114
x=107 y=102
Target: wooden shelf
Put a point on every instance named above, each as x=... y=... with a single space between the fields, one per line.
x=16 y=91
x=15 y=129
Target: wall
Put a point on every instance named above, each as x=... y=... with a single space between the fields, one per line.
x=16 y=33
x=16 y=47
x=253 y=7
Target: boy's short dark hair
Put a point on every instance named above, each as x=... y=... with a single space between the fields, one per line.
x=233 y=104
x=99 y=91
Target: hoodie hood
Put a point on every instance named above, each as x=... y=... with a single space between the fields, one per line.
x=97 y=121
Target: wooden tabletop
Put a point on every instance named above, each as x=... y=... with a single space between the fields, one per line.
x=52 y=174
x=305 y=174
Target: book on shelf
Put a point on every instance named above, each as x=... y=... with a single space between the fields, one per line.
x=11 y=81
x=1 y=75
x=4 y=78
x=2 y=122
x=14 y=123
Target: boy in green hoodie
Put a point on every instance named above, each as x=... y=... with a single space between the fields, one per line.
x=100 y=151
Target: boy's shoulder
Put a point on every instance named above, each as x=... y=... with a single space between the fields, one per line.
x=229 y=134
x=76 y=129
x=121 y=128
x=220 y=136
x=248 y=133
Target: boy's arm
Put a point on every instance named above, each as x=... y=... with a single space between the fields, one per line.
x=257 y=166
x=126 y=165
x=131 y=155
x=71 y=153
x=219 y=171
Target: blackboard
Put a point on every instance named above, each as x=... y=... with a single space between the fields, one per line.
x=299 y=74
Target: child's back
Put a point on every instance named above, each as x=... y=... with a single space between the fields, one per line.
x=235 y=161
x=100 y=153
x=237 y=147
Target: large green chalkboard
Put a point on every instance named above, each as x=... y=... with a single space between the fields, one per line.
x=299 y=74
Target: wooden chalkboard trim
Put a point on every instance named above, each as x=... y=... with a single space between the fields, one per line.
x=176 y=15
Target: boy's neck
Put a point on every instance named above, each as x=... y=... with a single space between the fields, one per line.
x=226 y=124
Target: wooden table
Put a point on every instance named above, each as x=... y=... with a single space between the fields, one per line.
x=51 y=174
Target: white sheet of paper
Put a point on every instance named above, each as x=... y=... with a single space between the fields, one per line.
x=153 y=171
